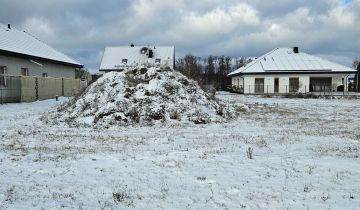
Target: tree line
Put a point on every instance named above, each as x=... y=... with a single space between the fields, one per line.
x=211 y=71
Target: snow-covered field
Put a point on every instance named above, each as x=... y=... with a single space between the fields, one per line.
x=305 y=155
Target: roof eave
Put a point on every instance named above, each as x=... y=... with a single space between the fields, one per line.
x=16 y=54
x=105 y=70
x=297 y=72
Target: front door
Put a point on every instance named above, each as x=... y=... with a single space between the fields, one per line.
x=276 y=85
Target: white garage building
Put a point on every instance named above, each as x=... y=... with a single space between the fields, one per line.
x=287 y=70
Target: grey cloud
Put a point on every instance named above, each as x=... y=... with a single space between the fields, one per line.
x=83 y=28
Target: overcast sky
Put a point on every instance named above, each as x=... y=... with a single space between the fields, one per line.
x=82 y=28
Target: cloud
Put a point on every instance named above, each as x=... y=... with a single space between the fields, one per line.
x=215 y=23
x=83 y=28
x=38 y=26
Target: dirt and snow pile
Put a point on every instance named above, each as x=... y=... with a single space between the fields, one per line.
x=143 y=96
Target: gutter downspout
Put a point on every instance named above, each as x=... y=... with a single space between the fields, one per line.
x=346 y=82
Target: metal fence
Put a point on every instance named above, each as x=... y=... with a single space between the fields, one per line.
x=292 y=90
x=29 y=89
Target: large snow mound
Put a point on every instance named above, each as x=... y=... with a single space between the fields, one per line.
x=145 y=96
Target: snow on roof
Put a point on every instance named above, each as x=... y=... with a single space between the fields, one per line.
x=286 y=60
x=20 y=42
x=126 y=56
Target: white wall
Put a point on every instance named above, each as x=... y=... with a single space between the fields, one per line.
x=14 y=65
x=304 y=82
x=249 y=84
x=237 y=83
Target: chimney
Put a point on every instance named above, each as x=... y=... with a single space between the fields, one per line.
x=9 y=26
x=296 y=50
x=151 y=54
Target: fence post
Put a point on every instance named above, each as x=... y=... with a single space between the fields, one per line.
x=1 y=96
x=21 y=89
x=62 y=86
x=1 y=89
x=37 y=88
x=331 y=91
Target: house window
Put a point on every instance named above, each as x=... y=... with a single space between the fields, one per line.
x=44 y=74
x=124 y=61
x=24 y=71
x=3 y=72
x=157 y=60
x=321 y=84
x=259 y=85
x=293 y=84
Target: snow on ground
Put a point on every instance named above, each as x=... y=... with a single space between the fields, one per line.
x=305 y=155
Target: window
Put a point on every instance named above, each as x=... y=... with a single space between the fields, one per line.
x=24 y=71
x=157 y=60
x=3 y=72
x=293 y=84
x=44 y=74
x=259 y=85
x=320 y=84
x=124 y=61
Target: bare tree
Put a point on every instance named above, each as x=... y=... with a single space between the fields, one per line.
x=190 y=66
x=240 y=62
x=212 y=70
x=180 y=65
x=221 y=72
x=209 y=70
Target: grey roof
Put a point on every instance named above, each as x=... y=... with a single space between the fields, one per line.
x=113 y=57
x=286 y=60
x=20 y=42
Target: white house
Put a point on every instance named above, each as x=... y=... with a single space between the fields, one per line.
x=287 y=70
x=125 y=57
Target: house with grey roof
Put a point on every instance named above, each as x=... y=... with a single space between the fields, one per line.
x=120 y=58
x=22 y=54
x=288 y=70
